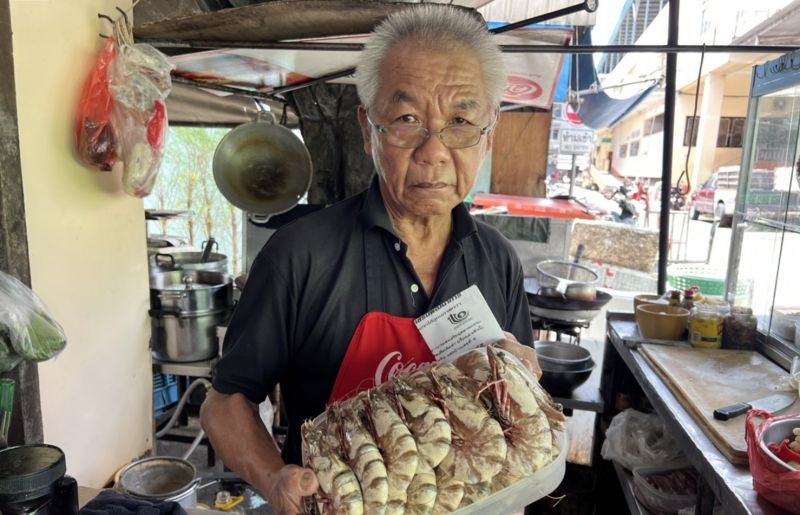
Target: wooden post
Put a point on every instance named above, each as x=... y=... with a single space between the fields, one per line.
x=26 y=419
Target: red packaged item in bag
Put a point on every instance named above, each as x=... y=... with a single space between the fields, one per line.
x=772 y=478
x=95 y=140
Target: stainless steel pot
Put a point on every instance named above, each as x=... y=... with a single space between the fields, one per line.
x=183 y=337
x=187 y=260
x=190 y=291
x=185 y=309
x=261 y=167
x=161 y=478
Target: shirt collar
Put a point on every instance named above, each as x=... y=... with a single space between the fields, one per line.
x=373 y=214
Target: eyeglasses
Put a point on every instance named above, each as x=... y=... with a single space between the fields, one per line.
x=413 y=136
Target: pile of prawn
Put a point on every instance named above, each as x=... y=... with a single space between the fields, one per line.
x=434 y=441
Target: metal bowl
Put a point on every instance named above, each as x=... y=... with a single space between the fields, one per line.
x=561 y=383
x=560 y=353
x=776 y=433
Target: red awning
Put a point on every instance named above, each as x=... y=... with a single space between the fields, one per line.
x=529 y=206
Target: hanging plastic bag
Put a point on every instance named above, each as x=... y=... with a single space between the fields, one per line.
x=26 y=329
x=95 y=141
x=771 y=480
x=139 y=83
x=636 y=439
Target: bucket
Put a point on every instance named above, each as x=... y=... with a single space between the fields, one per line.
x=161 y=478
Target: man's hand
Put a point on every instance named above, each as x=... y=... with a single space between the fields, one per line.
x=286 y=488
x=525 y=354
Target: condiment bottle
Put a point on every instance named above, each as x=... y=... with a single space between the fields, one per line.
x=688 y=299
x=706 y=323
x=740 y=329
x=675 y=298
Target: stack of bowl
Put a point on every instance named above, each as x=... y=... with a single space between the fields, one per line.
x=564 y=367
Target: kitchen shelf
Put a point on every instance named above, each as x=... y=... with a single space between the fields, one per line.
x=626 y=483
x=731 y=485
x=192 y=369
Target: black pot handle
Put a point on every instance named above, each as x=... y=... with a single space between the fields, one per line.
x=165 y=257
x=175 y=312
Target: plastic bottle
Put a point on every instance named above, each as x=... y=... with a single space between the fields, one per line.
x=706 y=323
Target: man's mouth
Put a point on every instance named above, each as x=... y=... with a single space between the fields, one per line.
x=431 y=185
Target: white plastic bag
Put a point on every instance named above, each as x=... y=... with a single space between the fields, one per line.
x=139 y=82
x=636 y=439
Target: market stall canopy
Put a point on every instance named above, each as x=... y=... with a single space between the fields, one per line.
x=190 y=105
x=278 y=20
x=531 y=77
x=598 y=109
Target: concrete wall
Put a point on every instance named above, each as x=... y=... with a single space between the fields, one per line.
x=648 y=162
x=87 y=249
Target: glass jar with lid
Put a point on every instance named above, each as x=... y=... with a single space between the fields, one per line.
x=706 y=322
x=739 y=331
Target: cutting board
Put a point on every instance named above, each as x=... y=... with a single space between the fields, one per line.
x=706 y=379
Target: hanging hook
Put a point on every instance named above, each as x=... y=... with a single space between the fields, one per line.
x=105 y=17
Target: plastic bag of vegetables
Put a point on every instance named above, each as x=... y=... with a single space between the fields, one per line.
x=139 y=81
x=27 y=331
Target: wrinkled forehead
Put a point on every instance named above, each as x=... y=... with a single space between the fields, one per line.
x=450 y=77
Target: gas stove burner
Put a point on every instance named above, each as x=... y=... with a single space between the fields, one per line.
x=571 y=329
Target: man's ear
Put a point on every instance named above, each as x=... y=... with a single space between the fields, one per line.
x=490 y=134
x=366 y=132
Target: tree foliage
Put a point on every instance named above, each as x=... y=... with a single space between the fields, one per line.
x=186 y=182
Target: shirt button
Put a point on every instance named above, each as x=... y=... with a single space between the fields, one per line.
x=397 y=246
x=414 y=288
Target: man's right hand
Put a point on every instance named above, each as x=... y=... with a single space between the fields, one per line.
x=286 y=488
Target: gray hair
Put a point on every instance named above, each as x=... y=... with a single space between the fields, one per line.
x=435 y=26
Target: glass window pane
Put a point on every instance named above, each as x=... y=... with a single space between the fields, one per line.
x=722 y=135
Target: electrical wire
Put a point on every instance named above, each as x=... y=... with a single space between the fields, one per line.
x=694 y=124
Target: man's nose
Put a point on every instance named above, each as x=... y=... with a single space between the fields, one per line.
x=432 y=151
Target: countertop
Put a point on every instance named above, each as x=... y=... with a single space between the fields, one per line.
x=86 y=494
x=732 y=485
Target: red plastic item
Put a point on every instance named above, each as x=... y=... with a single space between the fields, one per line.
x=529 y=206
x=783 y=451
x=773 y=482
x=95 y=139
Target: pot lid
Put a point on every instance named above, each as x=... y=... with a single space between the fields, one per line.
x=29 y=470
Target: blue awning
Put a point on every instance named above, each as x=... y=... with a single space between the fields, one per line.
x=598 y=110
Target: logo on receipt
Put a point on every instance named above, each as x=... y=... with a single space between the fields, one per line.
x=455 y=318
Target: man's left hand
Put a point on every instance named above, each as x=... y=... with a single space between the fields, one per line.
x=525 y=354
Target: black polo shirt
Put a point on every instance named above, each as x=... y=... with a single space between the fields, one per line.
x=307 y=292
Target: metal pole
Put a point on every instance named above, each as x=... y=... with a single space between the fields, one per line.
x=583 y=6
x=191 y=45
x=669 y=130
x=572 y=176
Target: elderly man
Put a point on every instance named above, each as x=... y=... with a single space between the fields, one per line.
x=329 y=305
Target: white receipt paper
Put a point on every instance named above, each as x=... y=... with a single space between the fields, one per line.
x=461 y=323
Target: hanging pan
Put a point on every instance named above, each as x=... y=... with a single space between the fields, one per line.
x=262 y=168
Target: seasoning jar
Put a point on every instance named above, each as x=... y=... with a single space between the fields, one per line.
x=688 y=299
x=739 y=330
x=675 y=298
x=706 y=323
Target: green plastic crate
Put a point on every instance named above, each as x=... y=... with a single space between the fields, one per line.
x=710 y=279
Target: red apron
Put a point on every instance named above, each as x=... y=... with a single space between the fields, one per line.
x=383 y=345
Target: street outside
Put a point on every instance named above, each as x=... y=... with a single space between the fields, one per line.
x=759 y=256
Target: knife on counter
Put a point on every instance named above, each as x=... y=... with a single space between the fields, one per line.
x=773 y=403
